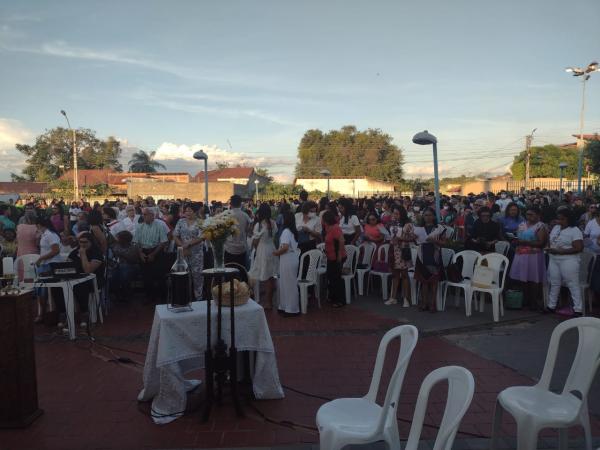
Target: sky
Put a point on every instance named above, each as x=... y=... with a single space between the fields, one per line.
x=245 y=79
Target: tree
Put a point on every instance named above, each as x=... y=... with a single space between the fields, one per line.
x=52 y=154
x=222 y=165
x=592 y=152
x=263 y=172
x=350 y=153
x=143 y=162
x=544 y=162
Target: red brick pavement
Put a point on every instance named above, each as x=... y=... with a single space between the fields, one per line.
x=91 y=404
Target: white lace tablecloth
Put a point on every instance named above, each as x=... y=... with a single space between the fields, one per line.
x=177 y=344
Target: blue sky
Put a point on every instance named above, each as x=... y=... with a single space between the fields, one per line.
x=245 y=79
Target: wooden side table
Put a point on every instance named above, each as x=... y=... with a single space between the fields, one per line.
x=18 y=383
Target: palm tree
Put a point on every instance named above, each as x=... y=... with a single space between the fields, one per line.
x=142 y=161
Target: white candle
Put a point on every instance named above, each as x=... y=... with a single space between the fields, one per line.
x=7 y=266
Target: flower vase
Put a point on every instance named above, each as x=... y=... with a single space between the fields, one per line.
x=218 y=247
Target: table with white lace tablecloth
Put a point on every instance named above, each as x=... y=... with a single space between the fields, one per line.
x=177 y=344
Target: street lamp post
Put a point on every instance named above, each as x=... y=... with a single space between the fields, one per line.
x=425 y=138
x=256 y=189
x=586 y=74
x=201 y=156
x=562 y=167
x=326 y=173
x=75 y=175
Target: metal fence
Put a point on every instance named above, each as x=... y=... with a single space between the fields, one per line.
x=552 y=185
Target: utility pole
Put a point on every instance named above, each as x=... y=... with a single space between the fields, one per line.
x=528 y=141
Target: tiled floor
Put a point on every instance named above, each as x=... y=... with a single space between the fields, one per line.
x=90 y=402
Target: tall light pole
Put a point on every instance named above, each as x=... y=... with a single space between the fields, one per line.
x=528 y=140
x=256 y=189
x=201 y=156
x=586 y=74
x=75 y=175
x=326 y=173
x=425 y=138
x=562 y=167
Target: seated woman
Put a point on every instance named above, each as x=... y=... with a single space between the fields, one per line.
x=375 y=231
x=485 y=232
x=88 y=259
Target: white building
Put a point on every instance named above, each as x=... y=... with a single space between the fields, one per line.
x=347 y=186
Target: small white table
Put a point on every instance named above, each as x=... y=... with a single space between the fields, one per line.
x=177 y=344
x=67 y=288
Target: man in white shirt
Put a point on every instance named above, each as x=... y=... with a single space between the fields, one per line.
x=504 y=201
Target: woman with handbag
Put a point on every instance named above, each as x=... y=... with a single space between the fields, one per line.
x=429 y=269
x=400 y=255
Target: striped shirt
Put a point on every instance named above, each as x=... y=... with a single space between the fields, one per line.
x=148 y=236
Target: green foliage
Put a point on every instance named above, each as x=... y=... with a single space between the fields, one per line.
x=544 y=162
x=143 y=162
x=263 y=172
x=348 y=152
x=592 y=152
x=280 y=190
x=64 y=188
x=222 y=165
x=52 y=154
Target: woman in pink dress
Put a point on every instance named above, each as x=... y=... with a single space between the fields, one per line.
x=27 y=236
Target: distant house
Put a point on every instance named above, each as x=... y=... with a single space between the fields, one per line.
x=347 y=186
x=586 y=138
x=242 y=176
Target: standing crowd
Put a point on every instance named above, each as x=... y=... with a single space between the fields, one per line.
x=135 y=241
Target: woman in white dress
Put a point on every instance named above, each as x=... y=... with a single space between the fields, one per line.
x=289 y=299
x=264 y=266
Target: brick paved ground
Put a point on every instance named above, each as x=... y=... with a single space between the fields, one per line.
x=91 y=403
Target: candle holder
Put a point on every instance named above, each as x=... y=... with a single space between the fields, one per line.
x=220 y=363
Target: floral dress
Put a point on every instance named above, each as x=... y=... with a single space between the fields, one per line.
x=397 y=262
x=193 y=255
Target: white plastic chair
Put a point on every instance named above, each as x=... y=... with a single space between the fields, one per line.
x=461 y=387
x=381 y=255
x=311 y=277
x=366 y=251
x=536 y=407
x=321 y=268
x=469 y=258
x=347 y=421
x=502 y=247
x=447 y=256
x=349 y=271
x=414 y=288
x=499 y=264
x=588 y=261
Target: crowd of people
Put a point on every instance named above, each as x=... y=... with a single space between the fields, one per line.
x=125 y=241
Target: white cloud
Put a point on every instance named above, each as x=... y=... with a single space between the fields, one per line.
x=11 y=133
x=168 y=151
